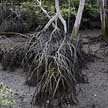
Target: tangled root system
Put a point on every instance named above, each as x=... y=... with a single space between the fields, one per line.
x=52 y=63
x=54 y=67
x=11 y=52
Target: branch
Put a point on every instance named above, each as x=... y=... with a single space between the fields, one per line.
x=55 y=17
x=57 y=6
x=46 y=13
x=78 y=20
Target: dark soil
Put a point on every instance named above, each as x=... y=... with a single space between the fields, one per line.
x=91 y=95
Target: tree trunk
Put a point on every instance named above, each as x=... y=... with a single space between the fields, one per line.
x=78 y=20
x=58 y=11
x=104 y=19
x=57 y=16
x=101 y=4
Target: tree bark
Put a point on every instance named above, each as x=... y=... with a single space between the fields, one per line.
x=58 y=11
x=78 y=20
x=104 y=18
x=57 y=16
x=101 y=4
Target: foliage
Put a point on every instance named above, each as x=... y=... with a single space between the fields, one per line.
x=68 y=9
x=6 y=97
x=34 y=12
x=90 y=8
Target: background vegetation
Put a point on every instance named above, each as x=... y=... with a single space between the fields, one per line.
x=32 y=16
x=6 y=97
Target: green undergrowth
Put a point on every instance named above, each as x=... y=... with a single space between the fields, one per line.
x=6 y=97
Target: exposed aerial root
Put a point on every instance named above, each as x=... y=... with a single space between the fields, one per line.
x=12 y=52
x=52 y=64
x=54 y=68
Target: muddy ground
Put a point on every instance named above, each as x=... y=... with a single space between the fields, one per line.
x=90 y=95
